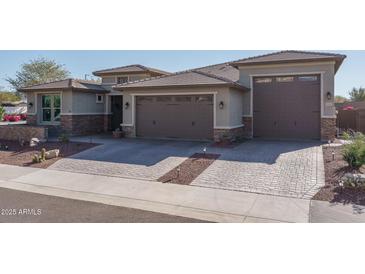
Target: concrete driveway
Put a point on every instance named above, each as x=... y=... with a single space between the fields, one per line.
x=290 y=169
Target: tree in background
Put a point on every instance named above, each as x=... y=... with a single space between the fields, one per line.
x=357 y=94
x=8 y=96
x=38 y=71
x=340 y=99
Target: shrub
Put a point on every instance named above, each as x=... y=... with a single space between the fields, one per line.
x=2 y=113
x=63 y=138
x=354 y=153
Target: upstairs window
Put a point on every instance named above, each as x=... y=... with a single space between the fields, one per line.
x=99 y=99
x=122 y=79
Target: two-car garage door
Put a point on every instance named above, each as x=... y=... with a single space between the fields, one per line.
x=175 y=116
x=287 y=107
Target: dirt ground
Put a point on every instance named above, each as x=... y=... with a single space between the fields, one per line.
x=334 y=170
x=22 y=155
x=191 y=168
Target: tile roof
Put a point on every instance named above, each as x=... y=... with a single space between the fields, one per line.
x=66 y=84
x=197 y=77
x=290 y=56
x=130 y=69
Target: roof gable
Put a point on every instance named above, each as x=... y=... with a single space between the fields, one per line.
x=130 y=69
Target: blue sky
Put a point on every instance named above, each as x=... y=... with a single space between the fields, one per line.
x=79 y=63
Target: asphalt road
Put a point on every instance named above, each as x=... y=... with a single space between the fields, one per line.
x=25 y=207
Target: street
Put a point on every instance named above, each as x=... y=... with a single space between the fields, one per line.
x=25 y=207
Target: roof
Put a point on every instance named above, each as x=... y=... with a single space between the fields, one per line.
x=223 y=70
x=356 y=105
x=290 y=56
x=130 y=69
x=207 y=76
x=66 y=84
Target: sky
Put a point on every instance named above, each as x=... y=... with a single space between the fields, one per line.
x=81 y=63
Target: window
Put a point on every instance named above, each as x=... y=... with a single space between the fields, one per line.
x=201 y=99
x=284 y=79
x=51 y=108
x=99 y=99
x=308 y=78
x=263 y=80
x=122 y=79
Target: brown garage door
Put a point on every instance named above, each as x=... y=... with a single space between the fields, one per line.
x=188 y=117
x=287 y=107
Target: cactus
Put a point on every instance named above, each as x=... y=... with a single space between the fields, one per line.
x=36 y=159
x=43 y=155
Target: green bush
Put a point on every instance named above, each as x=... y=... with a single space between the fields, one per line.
x=354 y=153
x=2 y=113
x=63 y=138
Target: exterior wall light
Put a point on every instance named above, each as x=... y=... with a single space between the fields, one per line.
x=30 y=104
x=126 y=105
x=221 y=105
x=329 y=95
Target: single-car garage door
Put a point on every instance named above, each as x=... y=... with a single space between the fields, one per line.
x=287 y=107
x=187 y=116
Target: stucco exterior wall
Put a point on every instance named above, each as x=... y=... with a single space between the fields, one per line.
x=327 y=70
x=229 y=116
x=235 y=107
x=85 y=102
x=110 y=80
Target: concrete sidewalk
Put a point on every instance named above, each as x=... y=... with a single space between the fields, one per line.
x=187 y=201
x=325 y=212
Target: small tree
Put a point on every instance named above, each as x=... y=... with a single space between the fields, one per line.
x=38 y=71
x=341 y=99
x=6 y=96
x=357 y=94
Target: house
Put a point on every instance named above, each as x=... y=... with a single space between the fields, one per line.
x=282 y=95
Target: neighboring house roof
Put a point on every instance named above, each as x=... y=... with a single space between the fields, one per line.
x=13 y=103
x=290 y=56
x=198 y=77
x=130 y=69
x=356 y=105
x=66 y=84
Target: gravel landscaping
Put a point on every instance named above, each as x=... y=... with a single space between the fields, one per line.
x=190 y=169
x=334 y=171
x=22 y=155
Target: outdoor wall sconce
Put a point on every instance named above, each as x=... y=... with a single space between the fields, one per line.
x=329 y=95
x=221 y=105
x=126 y=105
x=30 y=104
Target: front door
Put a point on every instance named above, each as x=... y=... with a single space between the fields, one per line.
x=117 y=111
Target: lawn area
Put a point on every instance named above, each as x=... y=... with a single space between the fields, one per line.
x=22 y=155
x=334 y=170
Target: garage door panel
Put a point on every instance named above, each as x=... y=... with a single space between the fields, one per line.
x=291 y=103
x=188 y=117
